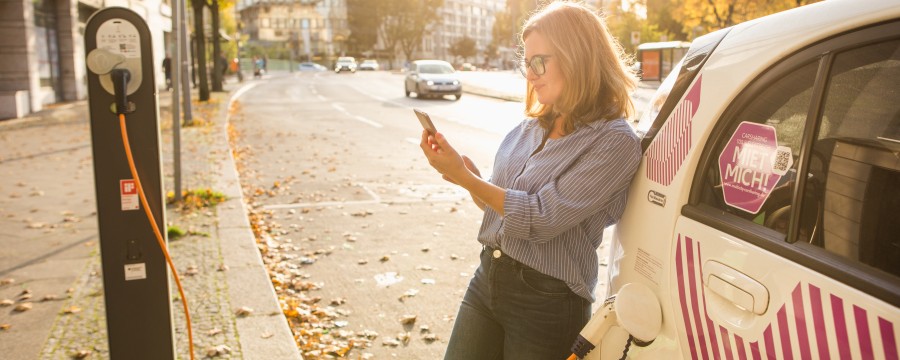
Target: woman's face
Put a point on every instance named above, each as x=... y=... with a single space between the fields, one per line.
x=548 y=86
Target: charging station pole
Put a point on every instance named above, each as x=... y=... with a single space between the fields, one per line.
x=135 y=277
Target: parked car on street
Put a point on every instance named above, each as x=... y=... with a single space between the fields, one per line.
x=310 y=66
x=369 y=65
x=429 y=78
x=345 y=63
x=765 y=215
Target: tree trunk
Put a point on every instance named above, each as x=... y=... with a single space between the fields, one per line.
x=200 y=38
x=218 y=64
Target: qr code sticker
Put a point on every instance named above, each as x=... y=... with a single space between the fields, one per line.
x=782 y=160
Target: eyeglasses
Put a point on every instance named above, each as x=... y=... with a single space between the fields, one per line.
x=537 y=65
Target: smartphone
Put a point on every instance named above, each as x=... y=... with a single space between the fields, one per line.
x=426 y=121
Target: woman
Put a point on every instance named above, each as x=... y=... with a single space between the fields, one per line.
x=559 y=179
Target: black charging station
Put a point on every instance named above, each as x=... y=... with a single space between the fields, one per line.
x=135 y=277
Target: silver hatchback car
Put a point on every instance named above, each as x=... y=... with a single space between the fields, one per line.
x=432 y=78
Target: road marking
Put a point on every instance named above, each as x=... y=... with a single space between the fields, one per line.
x=358 y=118
x=379 y=98
x=370 y=122
x=240 y=92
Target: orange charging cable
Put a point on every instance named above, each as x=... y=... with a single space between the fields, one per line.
x=159 y=237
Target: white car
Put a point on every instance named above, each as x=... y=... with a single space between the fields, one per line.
x=369 y=65
x=765 y=216
x=345 y=63
x=310 y=66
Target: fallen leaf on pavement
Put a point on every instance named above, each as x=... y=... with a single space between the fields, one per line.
x=243 y=311
x=7 y=302
x=408 y=319
x=23 y=307
x=408 y=294
x=81 y=354
x=390 y=342
x=5 y=326
x=7 y=281
x=403 y=338
x=215 y=331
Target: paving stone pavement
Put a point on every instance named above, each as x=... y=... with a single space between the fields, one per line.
x=49 y=250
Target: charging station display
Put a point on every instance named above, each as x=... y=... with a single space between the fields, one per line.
x=118 y=45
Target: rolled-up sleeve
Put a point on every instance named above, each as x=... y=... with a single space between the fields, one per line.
x=598 y=177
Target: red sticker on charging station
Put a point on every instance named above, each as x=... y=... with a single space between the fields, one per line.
x=129 y=194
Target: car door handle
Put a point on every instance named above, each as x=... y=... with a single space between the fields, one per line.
x=735 y=286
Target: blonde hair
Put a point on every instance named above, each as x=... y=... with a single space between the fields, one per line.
x=597 y=77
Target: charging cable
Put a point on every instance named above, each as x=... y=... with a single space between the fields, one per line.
x=152 y=219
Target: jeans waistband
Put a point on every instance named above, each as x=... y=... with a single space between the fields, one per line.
x=503 y=258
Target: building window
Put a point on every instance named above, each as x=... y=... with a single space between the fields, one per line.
x=47 y=44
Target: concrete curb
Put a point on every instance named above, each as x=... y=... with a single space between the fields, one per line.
x=265 y=333
x=469 y=89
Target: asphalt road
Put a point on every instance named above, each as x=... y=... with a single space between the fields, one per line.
x=333 y=163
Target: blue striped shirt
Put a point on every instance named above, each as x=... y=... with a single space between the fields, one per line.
x=559 y=200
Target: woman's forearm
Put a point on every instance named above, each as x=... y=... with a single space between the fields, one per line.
x=483 y=192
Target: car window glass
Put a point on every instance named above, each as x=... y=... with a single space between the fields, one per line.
x=851 y=203
x=754 y=169
x=435 y=69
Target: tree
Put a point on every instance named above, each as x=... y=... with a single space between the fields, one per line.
x=491 y=51
x=364 y=17
x=418 y=16
x=464 y=48
x=405 y=23
x=503 y=32
x=660 y=13
x=218 y=64
x=623 y=22
x=200 y=46
x=702 y=16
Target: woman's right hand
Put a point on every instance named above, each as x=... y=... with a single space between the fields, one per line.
x=469 y=165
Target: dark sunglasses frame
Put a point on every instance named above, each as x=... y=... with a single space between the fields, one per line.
x=537 y=67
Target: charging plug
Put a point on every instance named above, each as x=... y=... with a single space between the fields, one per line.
x=120 y=79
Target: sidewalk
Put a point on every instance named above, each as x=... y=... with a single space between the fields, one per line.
x=50 y=263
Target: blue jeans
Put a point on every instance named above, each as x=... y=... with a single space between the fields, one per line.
x=511 y=311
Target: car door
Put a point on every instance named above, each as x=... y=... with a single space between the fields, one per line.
x=788 y=247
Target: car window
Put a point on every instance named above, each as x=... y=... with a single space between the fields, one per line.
x=753 y=173
x=851 y=201
x=435 y=69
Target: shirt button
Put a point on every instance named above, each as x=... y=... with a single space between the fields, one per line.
x=497 y=254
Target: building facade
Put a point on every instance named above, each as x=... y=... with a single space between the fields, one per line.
x=310 y=30
x=42 y=48
x=463 y=18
